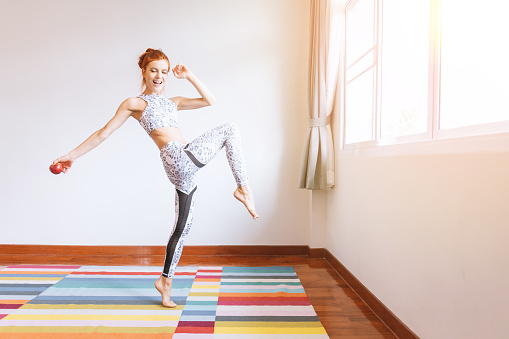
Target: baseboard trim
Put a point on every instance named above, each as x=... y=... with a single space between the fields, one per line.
x=150 y=250
x=33 y=251
x=389 y=318
x=316 y=252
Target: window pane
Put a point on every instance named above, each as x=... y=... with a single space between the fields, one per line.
x=405 y=60
x=359 y=30
x=474 y=57
x=360 y=66
x=359 y=108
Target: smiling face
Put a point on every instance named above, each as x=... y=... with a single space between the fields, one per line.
x=154 y=76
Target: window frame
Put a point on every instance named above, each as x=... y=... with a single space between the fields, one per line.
x=433 y=132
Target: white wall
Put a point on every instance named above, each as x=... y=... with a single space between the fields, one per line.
x=425 y=227
x=67 y=65
x=429 y=236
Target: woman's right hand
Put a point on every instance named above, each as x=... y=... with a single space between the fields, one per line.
x=66 y=162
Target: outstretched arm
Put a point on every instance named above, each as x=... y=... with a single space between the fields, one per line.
x=123 y=113
x=182 y=72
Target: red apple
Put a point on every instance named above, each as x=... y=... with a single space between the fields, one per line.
x=57 y=168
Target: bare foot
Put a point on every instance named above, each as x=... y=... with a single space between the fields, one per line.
x=163 y=285
x=244 y=195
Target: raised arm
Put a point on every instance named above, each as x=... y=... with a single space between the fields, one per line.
x=182 y=72
x=123 y=113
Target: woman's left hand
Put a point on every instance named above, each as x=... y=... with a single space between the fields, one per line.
x=181 y=71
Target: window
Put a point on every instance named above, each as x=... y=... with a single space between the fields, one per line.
x=424 y=69
x=474 y=85
x=405 y=68
x=361 y=71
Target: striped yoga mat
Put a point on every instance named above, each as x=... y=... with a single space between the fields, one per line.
x=53 y=301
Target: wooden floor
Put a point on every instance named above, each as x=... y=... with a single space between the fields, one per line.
x=342 y=313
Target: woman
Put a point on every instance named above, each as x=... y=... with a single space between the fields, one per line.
x=158 y=116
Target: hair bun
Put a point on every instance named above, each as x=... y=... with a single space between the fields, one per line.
x=152 y=54
x=141 y=62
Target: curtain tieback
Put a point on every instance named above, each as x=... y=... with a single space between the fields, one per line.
x=322 y=121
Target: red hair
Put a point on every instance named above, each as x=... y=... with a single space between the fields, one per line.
x=152 y=55
x=149 y=56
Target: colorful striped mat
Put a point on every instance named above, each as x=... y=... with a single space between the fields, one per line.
x=53 y=301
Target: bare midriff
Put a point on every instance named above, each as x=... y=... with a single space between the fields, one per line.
x=164 y=135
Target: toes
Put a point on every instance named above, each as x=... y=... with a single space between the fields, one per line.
x=170 y=304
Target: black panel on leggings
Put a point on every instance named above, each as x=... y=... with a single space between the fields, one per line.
x=184 y=206
x=192 y=157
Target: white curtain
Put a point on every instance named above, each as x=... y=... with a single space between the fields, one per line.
x=317 y=170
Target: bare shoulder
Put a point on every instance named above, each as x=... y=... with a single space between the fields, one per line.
x=177 y=100
x=134 y=104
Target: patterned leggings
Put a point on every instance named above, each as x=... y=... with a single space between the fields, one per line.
x=181 y=163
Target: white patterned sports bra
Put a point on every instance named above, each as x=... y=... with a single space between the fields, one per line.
x=160 y=112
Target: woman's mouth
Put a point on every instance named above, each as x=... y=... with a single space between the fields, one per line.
x=157 y=82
